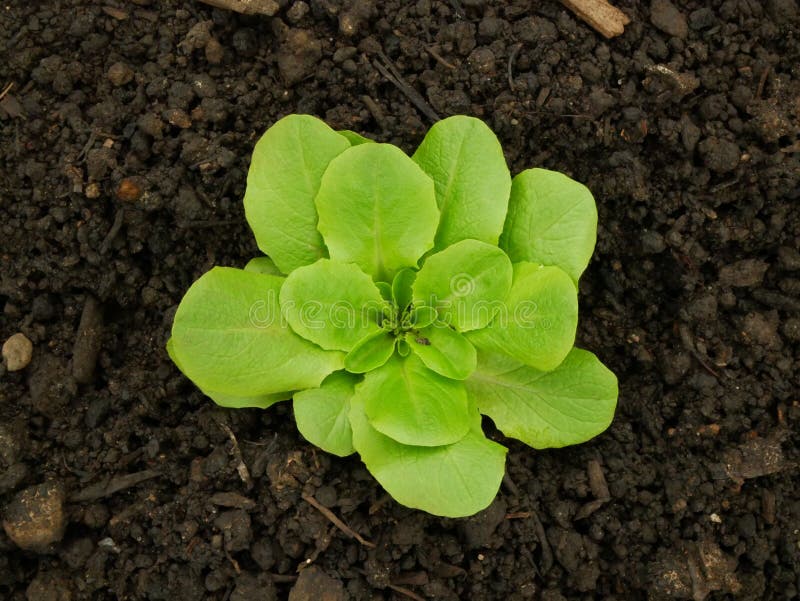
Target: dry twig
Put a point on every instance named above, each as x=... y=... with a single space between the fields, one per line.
x=336 y=521
x=601 y=16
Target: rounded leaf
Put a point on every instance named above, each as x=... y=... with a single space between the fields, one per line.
x=322 y=414
x=565 y=406
x=370 y=352
x=331 y=304
x=444 y=350
x=466 y=283
x=284 y=176
x=377 y=209
x=537 y=326
x=552 y=220
x=228 y=337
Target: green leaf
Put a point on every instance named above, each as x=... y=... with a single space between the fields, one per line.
x=370 y=352
x=455 y=480
x=263 y=265
x=569 y=405
x=377 y=209
x=331 y=304
x=465 y=160
x=467 y=283
x=401 y=288
x=354 y=138
x=422 y=317
x=552 y=220
x=228 y=337
x=284 y=177
x=444 y=350
x=385 y=290
x=322 y=414
x=537 y=326
x=233 y=402
x=414 y=405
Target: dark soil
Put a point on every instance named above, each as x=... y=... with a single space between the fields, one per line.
x=124 y=145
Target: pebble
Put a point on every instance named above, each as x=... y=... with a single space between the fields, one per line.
x=666 y=17
x=35 y=518
x=297 y=11
x=719 y=155
x=87 y=341
x=178 y=118
x=214 y=51
x=17 y=352
x=119 y=74
x=299 y=57
x=313 y=584
x=743 y=274
x=129 y=190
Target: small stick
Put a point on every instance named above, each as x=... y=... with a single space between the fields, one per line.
x=601 y=16
x=519 y=515
x=439 y=58
x=246 y=7
x=762 y=81
x=244 y=473
x=404 y=591
x=511 y=58
x=119 y=218
x=6 y=90
x=336 y=521
x=390 y=72
x=112 y=486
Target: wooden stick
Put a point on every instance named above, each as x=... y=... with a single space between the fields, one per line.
x=247 y=7
x=336 y=521
x=606 y=19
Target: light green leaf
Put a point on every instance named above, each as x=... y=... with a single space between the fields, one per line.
x=285 y=172
x=331 y=304
x=455 y=480
x=354 y=138
x=233 y=402
x=370 y=352
x=414 y=405
x=422 y=317
x=377 y=209
x=569 y=405
x=444 y=350
x=263 y=265
x=467 y=283
x=537 y=326
x=401 y=288
x=322 y=414
x=465 y=160
x=552 y=220
x=228 y=337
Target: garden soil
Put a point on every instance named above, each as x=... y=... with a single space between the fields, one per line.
x=125 y=135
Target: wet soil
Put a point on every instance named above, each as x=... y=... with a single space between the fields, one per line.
x=124 y=145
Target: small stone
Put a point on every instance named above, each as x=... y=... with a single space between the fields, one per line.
x=300 y=54
x=151 y=125
x=297 y=11
x=178 y=118
x=87 y=341
x=17 y=352
x=128 y=190
x=35 y=518
x=120 y=74
x=666 y=17
x=482 y=60
x=214 y=51
x=313 y=584
x=93 y=190
x=743 y=274
x=719 y=155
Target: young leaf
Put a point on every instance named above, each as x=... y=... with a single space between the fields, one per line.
x=455 y=480
x=322 y=414
x=569 y=405
x=467 y=283
x=537 y=326
x=401 y=288
x=414 y=405
x=370 y=352
x=285 y=172
x=228 y=337
x=354 y=138
x=233 y=402
x=377 y=209
x=444 y=350
x=552 y=220
x=422 y=317
x=331 y=304
x=465 y=160
x=263 y=265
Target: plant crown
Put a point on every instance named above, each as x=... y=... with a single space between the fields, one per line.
x=399 y=300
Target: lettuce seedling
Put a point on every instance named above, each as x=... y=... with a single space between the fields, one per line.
x=399 y=300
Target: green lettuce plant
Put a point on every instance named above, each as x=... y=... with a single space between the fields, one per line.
x=401 y=298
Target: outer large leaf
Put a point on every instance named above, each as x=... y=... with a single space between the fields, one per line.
x=414 y=405
x=465 y=160
x=456 y=480
x=331 y=304
x=377 y=209
x=228 y=337
x=538 y=325
x=233 y=402
x=467 y=283
x=262 y=265
x=568 y=405
x=354 y=138
x=322 y=414
x=444 y=350
x=285 y=172
x=552 y=220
